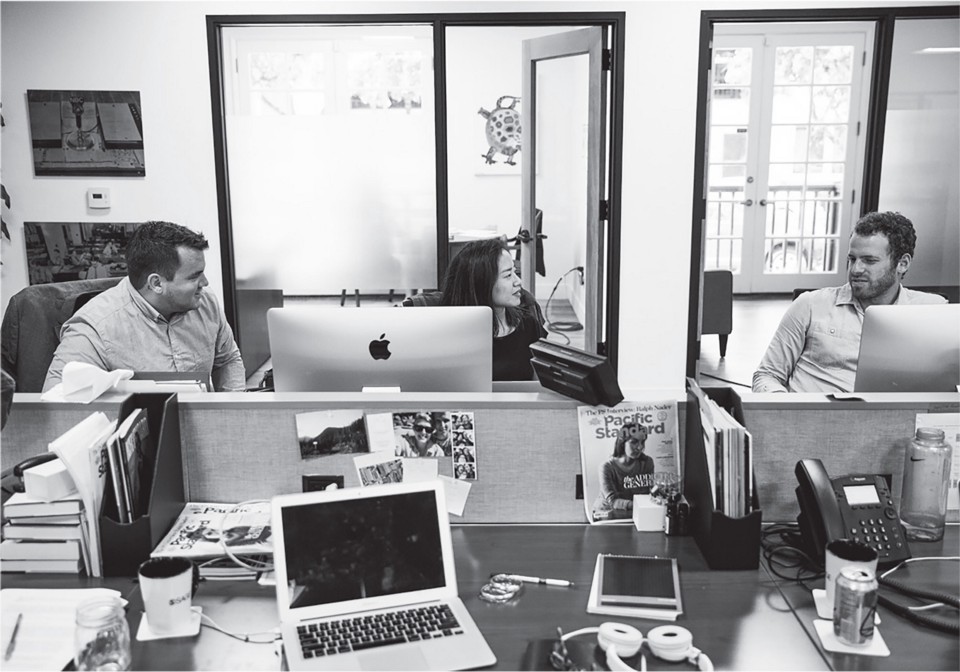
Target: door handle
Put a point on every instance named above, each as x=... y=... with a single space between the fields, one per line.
x=763 y=201
x=747 y=202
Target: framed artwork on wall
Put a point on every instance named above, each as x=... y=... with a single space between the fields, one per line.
x=61 y=251
x=86 y=132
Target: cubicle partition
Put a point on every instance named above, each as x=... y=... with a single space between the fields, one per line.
x=240 y=446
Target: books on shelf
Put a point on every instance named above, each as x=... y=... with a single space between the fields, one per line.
x=25 y=530
x=21 y=506
x=41 y=531
x=43 y=566
x=636 y=586
x=20 y=549
x=203 y=529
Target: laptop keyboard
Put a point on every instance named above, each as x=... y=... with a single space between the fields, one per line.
x=366 y=632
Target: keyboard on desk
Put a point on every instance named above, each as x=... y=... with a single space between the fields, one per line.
x=328 y=638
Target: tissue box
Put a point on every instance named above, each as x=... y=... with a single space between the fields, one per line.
x=48 y=482
x=648 y=515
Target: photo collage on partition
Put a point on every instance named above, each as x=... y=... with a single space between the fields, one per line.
x=464 y=446
x=388 y=441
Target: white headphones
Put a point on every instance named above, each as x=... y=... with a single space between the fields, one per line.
x=669 y=642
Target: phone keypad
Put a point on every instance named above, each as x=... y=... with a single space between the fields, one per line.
x=878 y=527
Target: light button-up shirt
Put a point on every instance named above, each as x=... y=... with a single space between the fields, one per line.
x=817 y=345
x=119 y=329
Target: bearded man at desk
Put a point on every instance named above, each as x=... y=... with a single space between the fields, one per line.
x=817 y=345
x=158 y=318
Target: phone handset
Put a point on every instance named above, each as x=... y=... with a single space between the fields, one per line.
x=820 y=520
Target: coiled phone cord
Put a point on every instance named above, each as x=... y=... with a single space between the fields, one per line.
x=920 y=618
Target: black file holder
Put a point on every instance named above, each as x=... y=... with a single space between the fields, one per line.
x=725 y=542
x=123 y=546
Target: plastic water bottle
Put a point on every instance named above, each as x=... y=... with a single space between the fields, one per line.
x=926 y=477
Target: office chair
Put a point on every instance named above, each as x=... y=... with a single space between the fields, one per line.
x=31 y=326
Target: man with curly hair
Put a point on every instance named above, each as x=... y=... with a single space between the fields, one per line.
x=817 y=345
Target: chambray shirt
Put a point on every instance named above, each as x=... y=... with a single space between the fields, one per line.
x=817 y=345
x=118 y=329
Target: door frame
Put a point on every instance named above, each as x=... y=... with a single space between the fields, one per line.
x=589 y=42
x=614 y=24
x=885 y=19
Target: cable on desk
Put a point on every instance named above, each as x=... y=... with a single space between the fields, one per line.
x=253 y=561
x=242 y=636
x=781 y=551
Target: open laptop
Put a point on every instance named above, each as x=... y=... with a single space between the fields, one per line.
x=909 y=348
x=366 y=581
x=429 y=349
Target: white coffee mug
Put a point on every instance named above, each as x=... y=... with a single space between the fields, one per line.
x=167 y=586
x=842 y=553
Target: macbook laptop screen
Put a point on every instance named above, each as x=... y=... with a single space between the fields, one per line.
x=352 y=549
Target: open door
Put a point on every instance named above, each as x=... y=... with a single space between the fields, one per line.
x=564 y=129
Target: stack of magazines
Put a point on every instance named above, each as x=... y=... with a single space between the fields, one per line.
x=227 y=541
x=728 y=447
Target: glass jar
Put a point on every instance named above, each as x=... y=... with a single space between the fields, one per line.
x=102 y=638
x=926 y=476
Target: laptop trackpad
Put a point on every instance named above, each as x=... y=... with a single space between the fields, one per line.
x=393 y=658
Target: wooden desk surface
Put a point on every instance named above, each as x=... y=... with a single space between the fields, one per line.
x=739 y=619
x=911 y=646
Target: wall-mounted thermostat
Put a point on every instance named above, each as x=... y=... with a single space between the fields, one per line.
x=98 y=199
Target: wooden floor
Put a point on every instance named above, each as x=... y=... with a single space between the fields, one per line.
x=755 y=320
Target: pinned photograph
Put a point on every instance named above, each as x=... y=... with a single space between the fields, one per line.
x=465 y=472
x=321 y=433
x=423 y=434
x=377 y=468
x=86 y=132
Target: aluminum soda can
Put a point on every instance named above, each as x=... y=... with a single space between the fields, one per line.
x=855 y=605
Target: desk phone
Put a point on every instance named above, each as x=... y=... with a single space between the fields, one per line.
x=857 y=507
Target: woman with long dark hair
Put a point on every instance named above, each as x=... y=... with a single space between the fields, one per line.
x=483 y=274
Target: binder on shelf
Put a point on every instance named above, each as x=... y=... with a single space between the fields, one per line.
x=125 y=545
x=725 y=542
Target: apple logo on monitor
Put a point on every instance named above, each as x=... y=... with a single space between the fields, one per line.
x=379 y=348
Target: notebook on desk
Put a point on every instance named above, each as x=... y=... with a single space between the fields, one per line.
x=365 y=581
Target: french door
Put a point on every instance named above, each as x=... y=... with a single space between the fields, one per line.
x=785 y=152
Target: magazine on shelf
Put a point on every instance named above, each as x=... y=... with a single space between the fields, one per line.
x=603 y=435
x=129 y=453
x=209 y=529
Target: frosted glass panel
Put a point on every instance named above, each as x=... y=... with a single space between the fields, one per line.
x=921 y=151
x=331 y=159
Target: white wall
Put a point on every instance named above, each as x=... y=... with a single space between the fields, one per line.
x=160 y=49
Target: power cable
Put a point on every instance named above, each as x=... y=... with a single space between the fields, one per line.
x=559 y=327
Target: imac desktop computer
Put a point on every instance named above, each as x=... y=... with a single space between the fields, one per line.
x=909 y=348
x=334 y=349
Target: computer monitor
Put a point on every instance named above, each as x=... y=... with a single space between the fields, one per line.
x=334 y=349
x=909 y=348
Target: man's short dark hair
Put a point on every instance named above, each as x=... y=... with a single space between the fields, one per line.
x=899 y=231
x=153 y=249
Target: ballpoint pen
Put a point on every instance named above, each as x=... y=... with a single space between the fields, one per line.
x=13 y=638
x=537 y=579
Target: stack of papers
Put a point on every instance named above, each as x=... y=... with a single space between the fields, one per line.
x=728 y=447
x=45 y=636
